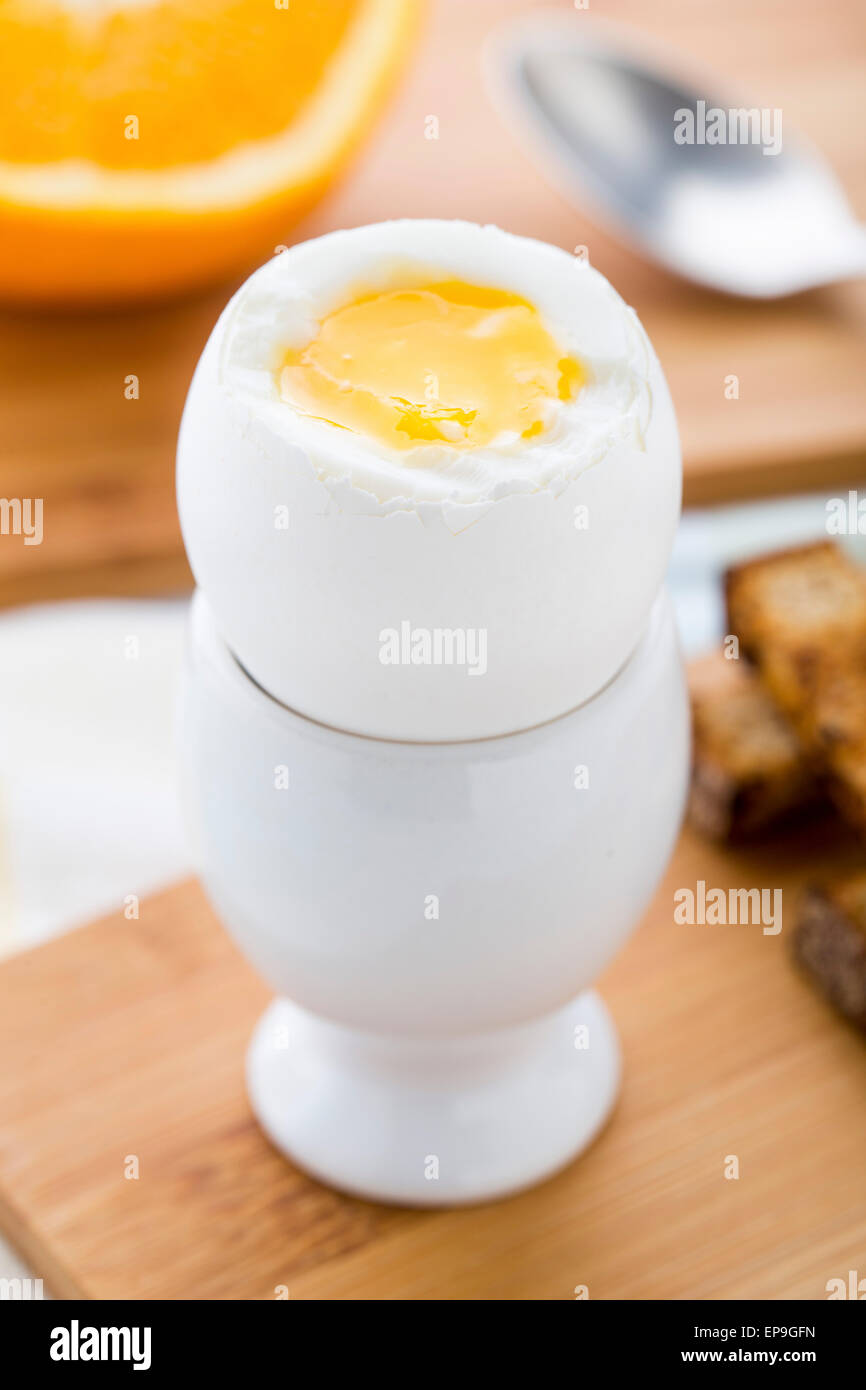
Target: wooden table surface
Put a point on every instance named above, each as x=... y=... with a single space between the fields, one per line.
x=127 y=1038
x=104 y=465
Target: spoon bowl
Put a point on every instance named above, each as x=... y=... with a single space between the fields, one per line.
x=715 y=190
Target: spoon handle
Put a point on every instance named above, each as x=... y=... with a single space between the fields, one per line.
x=849 y=257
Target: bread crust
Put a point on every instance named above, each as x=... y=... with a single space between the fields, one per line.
x=829 y=941
x=800 y=616
x=749 y=775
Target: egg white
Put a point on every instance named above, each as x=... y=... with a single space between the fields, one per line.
x=310 y=541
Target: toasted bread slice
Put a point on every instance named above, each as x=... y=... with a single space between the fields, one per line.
x=830 y=943
x=801 y=616
x=833 y=728
x=748 y=770
x=797 y=612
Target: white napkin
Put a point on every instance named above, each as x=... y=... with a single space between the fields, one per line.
x=88 y=801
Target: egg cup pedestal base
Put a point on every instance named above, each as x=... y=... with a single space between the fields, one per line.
x=433 y=1121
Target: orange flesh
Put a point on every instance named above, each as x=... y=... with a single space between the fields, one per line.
x=200 y=76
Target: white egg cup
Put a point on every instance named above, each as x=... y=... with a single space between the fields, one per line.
x=432 y=917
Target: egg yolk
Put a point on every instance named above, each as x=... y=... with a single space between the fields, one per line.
x=446 y=363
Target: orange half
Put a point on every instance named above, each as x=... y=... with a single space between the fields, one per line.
x=147 y=145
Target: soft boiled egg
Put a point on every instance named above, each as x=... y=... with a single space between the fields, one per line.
x=428 y=478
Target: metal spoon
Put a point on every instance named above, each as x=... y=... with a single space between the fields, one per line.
x=742 y=217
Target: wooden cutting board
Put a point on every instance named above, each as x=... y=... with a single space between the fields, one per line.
x=104 y=464
x=127 y=1038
